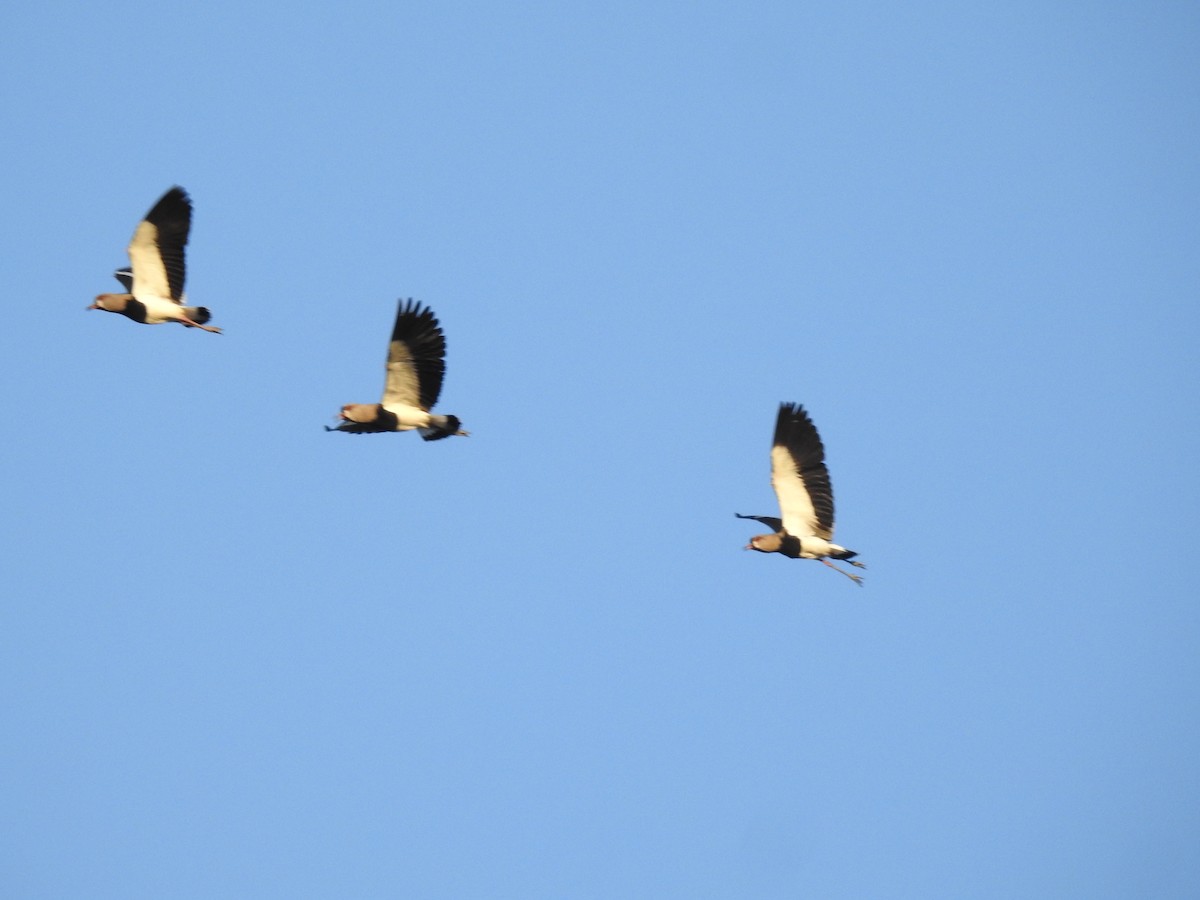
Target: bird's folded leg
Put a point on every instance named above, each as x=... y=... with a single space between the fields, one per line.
x=857 y=579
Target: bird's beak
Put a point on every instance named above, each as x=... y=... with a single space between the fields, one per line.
x=748 y=547
x=93 y=306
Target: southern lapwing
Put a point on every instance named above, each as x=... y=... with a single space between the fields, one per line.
x=415 y=368
x=154 y=279
x=801 y=483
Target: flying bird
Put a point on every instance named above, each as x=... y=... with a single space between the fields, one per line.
x=801 y=483
x=415 y=369
x=154 y=280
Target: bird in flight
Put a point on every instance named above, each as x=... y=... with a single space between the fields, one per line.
x=154 y=280
x=801 y=482
x=415 y=369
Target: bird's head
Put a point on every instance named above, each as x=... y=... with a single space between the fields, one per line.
x=362 y=413
x=765 y=543
x=110 y=302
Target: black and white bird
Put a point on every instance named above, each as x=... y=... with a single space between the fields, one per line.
x=415 y=368
x=801 y=483
x=154 y=280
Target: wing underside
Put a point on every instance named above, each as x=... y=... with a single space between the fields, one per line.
x=416 y=358
x=799 y=475
x=156 y=252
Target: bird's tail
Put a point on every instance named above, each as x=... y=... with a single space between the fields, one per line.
x=198 y=314
x=440 y=427
x=837 y=552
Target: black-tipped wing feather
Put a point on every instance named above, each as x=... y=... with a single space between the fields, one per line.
x=157 y=249
x=416 y=358
x=799 y=475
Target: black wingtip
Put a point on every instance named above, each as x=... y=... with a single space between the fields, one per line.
x=173 y=206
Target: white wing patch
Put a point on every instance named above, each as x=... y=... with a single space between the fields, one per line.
x=149 y=272
x=402 y=386
x=795 y=504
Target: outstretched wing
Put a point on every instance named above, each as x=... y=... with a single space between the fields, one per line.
x=799 y=476
x=416 y=358
x=770 y=521
x=156 y=251
x=125 y=276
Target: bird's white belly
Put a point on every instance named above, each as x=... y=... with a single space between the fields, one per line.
x=409 y=417
x=160 y=309
x=813 y=547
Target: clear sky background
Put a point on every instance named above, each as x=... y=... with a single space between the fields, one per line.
x=242 y=657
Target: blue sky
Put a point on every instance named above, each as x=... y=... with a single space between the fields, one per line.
x=245 y=657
